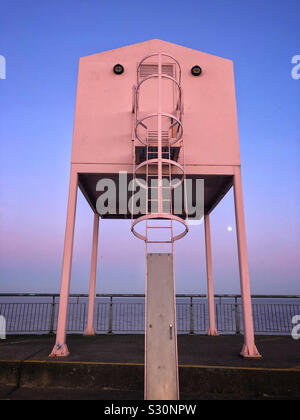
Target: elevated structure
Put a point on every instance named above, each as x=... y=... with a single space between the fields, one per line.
x=149 y=117
x=157 y=148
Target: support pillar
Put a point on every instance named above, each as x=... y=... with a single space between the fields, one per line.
x=90 y=324
x=161 y=355
x=210 y=287
x=60 y=348
x=249 y=348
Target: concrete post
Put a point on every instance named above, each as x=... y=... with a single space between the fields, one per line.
x=90 y=324
x=249 y=348
x=210 y=287
x=60 y=348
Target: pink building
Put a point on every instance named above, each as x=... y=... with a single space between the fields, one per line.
x=149 y=117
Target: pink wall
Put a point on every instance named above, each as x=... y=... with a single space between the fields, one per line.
x=102 y=129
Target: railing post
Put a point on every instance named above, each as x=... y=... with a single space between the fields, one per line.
x=237 y=316
x=218 y=305
x=52 y=316
x=110 y=316
x=191 y=316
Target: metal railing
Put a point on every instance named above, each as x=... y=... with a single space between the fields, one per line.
x=120 y=313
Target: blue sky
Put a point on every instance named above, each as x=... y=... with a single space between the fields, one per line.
x=42 y=42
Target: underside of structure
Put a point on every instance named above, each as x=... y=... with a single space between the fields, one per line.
x=215 y=188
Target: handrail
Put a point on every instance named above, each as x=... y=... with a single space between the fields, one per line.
x=179 y=295
x=114 y=313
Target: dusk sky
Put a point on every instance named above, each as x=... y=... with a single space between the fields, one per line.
x=42 y=42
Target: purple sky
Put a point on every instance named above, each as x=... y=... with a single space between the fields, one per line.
x=42 y=42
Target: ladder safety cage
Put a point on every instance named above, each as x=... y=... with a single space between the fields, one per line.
x=159 y=133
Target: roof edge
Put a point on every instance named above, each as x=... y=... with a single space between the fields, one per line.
x=154 y=40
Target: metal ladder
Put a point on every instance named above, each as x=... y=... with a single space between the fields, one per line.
x=152 y=198
x=158 y=131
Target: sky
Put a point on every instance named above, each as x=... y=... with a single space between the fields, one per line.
x=42 y=41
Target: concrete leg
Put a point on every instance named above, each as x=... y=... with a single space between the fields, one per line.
x=90 y=324
x=210 y=287
x=249 y=348
x=60 y=348
x=161 y=357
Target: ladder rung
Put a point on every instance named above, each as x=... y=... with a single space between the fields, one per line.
x=151 y=163
x=156 y=188
x=159 y=242
x=164 y=176
x=159 y=227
